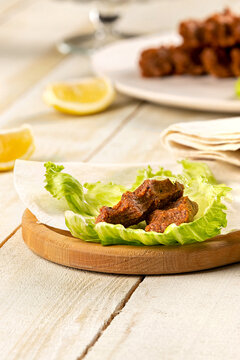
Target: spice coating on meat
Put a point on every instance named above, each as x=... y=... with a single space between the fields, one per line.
x=164 y=61
x=187 y=61
x=192 y=32
x=218 y=30
x=135 y=206
x=235 y=61
x=217 y=62
x=156 y=62
x=211 y=46
x=181 y=211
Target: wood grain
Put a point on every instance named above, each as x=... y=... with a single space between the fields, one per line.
x=75 y=138
x=183 y=317
x=39 y=320
x=60 y=247
x=139 y=140
x=29 y=33
x=128 y=144
x=192 y=316
x=52 y=312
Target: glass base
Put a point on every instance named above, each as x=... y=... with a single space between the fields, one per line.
x=88 y=43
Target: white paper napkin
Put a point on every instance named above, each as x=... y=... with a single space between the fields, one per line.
x=214 y=139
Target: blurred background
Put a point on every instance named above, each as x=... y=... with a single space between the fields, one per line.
x=32 y=32
x=60 y=19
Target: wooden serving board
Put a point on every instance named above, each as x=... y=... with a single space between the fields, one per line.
x=60 y=247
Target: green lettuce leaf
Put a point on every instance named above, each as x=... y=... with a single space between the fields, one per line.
x=193 y=170
x=148 y=173
x=103 y=194
x=62 y=185
x=208 y=225
x=200 y=185
x=85 y=200
x=82 y=226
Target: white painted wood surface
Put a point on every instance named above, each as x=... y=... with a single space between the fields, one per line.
x=52 y=312
x=183 y=317
x=75 y=139
x=28 y=35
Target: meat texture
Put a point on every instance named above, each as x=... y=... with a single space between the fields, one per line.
x=181 y=211
x=210 y=47
x=187 y=61
x=156 y=62
x=235 y=61
x=135 y=206
x=217 y=62
x=171 y=60
x=218 y=30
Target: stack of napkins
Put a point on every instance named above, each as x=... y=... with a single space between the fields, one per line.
x=214 y=139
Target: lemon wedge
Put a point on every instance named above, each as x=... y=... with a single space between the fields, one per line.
x=15 y=144
x=83 y=97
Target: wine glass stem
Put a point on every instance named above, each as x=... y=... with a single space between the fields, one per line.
x=103 y=23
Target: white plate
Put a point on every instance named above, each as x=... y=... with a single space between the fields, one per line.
x=119 y=61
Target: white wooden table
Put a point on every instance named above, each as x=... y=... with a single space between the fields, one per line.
x=52 y=312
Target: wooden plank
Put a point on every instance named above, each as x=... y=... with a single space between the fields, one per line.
x=10 y=206
x=50 y=311
x=61 y=319
x=182 y=317
x=58 y=137
x=152 y=323
x=31 y=110
x=60 y=314
x=139 y=140
x=22 y=81
x=140 y=136
x=28 y=38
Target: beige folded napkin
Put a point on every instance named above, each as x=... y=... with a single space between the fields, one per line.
x=214 y=139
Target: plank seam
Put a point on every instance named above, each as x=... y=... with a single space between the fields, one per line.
x=114 y=314
x=10 y=235
x=95 y=151
x=20 y=91
x=115 y=132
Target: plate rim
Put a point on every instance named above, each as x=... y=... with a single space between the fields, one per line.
x=185 y=102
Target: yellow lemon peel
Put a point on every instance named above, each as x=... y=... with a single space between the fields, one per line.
x=83 y=97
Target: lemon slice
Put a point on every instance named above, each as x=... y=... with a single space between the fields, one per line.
x=15 y=144
x=83 y=97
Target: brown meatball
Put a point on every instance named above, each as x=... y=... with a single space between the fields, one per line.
x=135 y=206
x=217 y=62
x=218 y=30
x=181 y=211
x=156 y=62
x=210 y=46
x=235 y=61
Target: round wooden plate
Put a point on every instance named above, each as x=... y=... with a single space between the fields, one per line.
x=60 y=247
